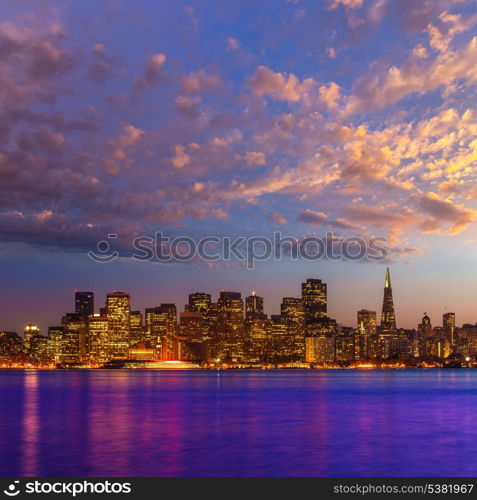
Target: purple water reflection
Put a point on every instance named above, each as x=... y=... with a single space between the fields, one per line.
x=238 y=423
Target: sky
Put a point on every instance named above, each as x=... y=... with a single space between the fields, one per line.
x=238 y=119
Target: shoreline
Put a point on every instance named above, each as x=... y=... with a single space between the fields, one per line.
x=327 y=368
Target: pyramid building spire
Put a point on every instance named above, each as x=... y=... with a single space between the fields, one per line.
x=388 y=318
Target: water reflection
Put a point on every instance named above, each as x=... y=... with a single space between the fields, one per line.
x=151 y=423
x=30 y=425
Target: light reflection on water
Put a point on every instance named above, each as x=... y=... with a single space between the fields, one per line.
x=238 y=423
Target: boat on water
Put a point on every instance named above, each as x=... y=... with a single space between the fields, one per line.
x=134 y=364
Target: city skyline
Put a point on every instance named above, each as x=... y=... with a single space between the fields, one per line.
x=269 y=308
x=219 y=119
x=235 y=331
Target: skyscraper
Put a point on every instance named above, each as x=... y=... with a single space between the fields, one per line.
x=161 y=329
x=314 y=296
x=118 y=311
x=388 y=318
x=55 y=339
x=425 y=327
x=98 y=334
x=367 y=322
x=200 y=302
x=253 y=305
x=293 y=315
x=84 y=303
x=366 y=332
x=230 y=306
x=448 y=322
x=30 y=331
x=73 y=342
x=137 y=332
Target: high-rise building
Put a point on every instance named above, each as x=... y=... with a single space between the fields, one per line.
x=161 y=330
x=30 y=331
x=425 y=327
x=320 y=350
x=367 y=322
x=314 y=296
x=39 y=348
x=253 y=306
x=365 y=333
x=55 y=338
x=230 y=305
x=448 y=323
x=73 y=343
x=345 y=349
x=230 y=328
x=283 y=344
x=98 y=334
x=84 y=303
x=388 y=318
x=192 y=336
x=293 y=314
x=192 y=326
x=293 y=310
x=118 y=312
x=200 y=302
x=137 y=332
x=11 y=346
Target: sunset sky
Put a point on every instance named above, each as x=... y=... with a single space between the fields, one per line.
x=238 y=118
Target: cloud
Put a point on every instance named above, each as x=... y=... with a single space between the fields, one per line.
x=51 y=142
x=180 y=158
x=349 y=4
x=254 y=158
x=101 y=69
x=311 y=217
x=276 y=218
x=153 y=72
x=330 y=95
x=199 y=82
x=381 y=89
x=232 y=44
x=128 y=137
x=189 y=105
x=446 y=210
x=393 y=150
x=281 y=86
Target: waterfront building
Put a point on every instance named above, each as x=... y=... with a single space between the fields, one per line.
x=161 y=330
x=84 y=303
x=345 y=348
x=253 y=306
x=448 y=323
x=367 y=322
x=55 y=338
x=98 y=334
x=39 y=349
x=200 y=302
x=425 y=327
x=388 y=318
x=314 y=296
x=73 y=342
x=320 y=350
x=11 y=346
x=118 y=312
x=137 y=330
x=29 y=332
